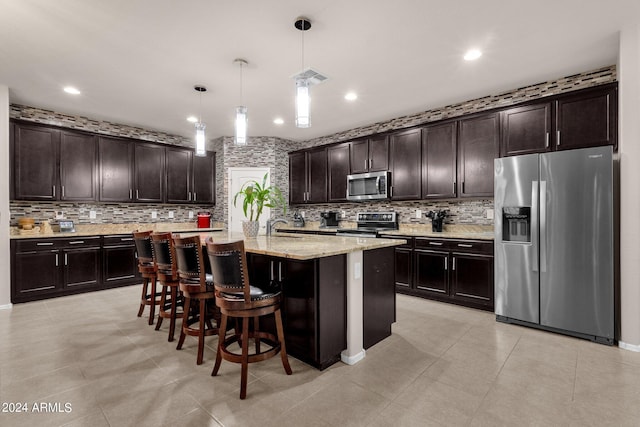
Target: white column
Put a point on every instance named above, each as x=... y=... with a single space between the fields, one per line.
x=5 y=265
x=355 y=331
x=629 y=150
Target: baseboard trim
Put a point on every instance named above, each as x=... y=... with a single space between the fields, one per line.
x=352 y=360
x=630 y=347
x=6 y=306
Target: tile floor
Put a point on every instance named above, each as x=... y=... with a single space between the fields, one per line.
x=443 y=366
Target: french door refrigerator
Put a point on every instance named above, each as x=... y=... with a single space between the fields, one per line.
x=554 y=242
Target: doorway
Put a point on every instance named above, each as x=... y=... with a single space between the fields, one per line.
x=237 y=177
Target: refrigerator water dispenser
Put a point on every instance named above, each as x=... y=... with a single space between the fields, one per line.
x=516 y=224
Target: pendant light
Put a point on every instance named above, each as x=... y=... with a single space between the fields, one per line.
x=241 y=112
x=303 y=99
x=200 y=127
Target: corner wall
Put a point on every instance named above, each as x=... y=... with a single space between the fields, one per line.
x=5 y=263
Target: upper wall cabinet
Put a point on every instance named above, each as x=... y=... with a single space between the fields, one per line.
x=308 y=176
x=204 y=179
x=405 y=164
x=50 y=164
x=526 y=129
x=439 y=161
x=190 y=179
x=338 y=169
x=370 y=155
x=477 y=148
x=149 y=172
x=115 y=167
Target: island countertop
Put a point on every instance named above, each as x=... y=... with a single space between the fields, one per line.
x=301 y=246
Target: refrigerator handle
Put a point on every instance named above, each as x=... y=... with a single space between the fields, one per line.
x=535 y=213
x=543 y=226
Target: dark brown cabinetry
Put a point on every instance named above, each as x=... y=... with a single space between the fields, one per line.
x=120 y=266
x=115 y=161
x=526 y=129
x=378 y=295
x=439 y=161
x=204 y=179
x=405 y=164
x=190 y=178
x=44 y=268
x=149 y=172
x=477 y=148
x=35 y=172
x=338 y=169
x=370 y=155
x=308 y=176
x=78 y=166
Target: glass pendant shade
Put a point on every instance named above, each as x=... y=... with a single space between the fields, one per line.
x=200 y=146
x=303 y=115
x=241 y=125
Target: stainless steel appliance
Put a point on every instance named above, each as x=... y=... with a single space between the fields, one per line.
x=368 y=186
x=329 y=219
x=298 y=220
x=554 y=242
x=371 y=224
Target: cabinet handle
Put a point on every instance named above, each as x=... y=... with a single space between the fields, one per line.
x=546 y=141
x=366 y=164
x=279 y=271
x=130 y=194
x=76 y=242
x=54 y=190
x=63 y=191
x=370 y=164
x=66 y=260
x=137 y=196
x=56 y=260
x=446 y=264
x=272 y=274
x=436 y=243
x=195 y=196
x=126 y=239
x=391 y=191
x=465 y=245
x=453 y=263
x=558 y=138
x=189 y=196
x=44 y=244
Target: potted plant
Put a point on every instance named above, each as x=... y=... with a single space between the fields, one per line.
x=255 y=197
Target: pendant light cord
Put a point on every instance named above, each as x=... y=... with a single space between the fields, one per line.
x=241 y=64
x=303 y=23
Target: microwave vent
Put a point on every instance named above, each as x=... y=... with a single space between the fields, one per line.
x=314 y=77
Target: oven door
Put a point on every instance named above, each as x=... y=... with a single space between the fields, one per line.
x=368 y=186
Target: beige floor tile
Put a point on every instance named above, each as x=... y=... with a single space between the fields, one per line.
x=37 y=387
x=399 y=416
x=196 y=418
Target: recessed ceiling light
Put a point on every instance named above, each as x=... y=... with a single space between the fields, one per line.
x=72 y=90
x=278 y=121
x=472 y=54
x=192 y=119
x=351 y=96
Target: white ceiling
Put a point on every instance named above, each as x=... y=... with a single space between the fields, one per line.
x=136 y=61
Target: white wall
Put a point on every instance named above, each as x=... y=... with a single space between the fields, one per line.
x=629 y=149
x=5 y=272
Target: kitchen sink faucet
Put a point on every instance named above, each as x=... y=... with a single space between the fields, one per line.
x=271 y=223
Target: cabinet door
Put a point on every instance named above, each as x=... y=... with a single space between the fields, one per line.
x=360 y=156
x=35 y=156
x=404 y=268
x=179 y=175
x=587 y=119
x=297 y=178
x=472 y=278
x=379 y=297
x=432 y=271
x=317 y=172
x=477 y=148
x=149 y=172
x=405 y=165
x=115 y=158
x=439 y=161
x=378 y=153
x=81 y=267
x=35 y=273
x=78 y=171
x=526 y=129
x=204 y=179
x=338 y=164
x=119 y=265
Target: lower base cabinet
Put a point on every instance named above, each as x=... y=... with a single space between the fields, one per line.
x=120 y=265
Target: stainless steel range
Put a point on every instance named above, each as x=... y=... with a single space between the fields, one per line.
x=371 y=224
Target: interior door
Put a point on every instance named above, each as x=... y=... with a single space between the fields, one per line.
x=237 y=178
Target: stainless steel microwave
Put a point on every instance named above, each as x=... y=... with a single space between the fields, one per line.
x=368 y=186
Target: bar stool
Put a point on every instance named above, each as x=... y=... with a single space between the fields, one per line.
x=147 y=270
x=238 y=299
x=197 y=289
x=167 y=272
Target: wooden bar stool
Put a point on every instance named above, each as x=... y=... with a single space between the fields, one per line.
x=167 y=272
x=238 y=299
x=197 y=289
x=147 y=270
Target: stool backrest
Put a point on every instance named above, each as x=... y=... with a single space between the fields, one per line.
x=143 y=246
x=164 y=254
x=190 y=260
x=229 y=267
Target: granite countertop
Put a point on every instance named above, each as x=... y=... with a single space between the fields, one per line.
x=302 y=246
x=113 y=229
x=451 y=231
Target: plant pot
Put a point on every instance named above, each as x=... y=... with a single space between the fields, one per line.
x=250 y=228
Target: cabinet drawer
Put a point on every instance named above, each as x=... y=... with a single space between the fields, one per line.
x=424 y=243
x=119 y=240
x=475 y=246
x=30 y=245
x=409 y=239
x=80 y=242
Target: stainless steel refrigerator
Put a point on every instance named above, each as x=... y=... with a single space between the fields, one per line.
x=554 y=242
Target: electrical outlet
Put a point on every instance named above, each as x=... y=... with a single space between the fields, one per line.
x=190 y=214
x=92 y=214
x=170 y=214
x=59 y=215
x=302 y=213
x=489 y=213
x=418 y=213
x=343 y=214
x=154 y=214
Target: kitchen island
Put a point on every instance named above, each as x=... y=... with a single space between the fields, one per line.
x=338 y=292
